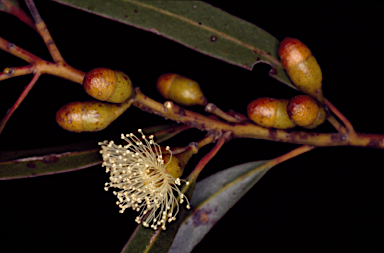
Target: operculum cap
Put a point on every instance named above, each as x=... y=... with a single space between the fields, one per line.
x=180 y=89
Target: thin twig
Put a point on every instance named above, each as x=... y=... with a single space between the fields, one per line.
x=52 y=48
x=297 y=151
x=340 y=128
x=17 y=51
x=207 y=140
x=38 y=66
x=196 y=146
x=16 y=11
x=200 y=166
x=59 y=69
x=212 y=108
x=17 y=71
x=62 y=70
x=345 y=121
x=19 y=100
x=272 y=163
x=44 y=33
x=34 y=12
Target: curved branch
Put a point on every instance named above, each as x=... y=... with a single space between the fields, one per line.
x=16 y=11
x=347 y=124
x=19 y=100
x=44 y=33
x=38 y=66
x=60 y=69
x=340 y=128
x=200 y=166
x=249 y=130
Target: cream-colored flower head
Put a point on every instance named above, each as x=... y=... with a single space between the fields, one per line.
x=138 y=170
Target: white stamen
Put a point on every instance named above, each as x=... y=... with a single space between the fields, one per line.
x=145 y=185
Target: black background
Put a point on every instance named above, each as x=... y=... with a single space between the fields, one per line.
x=329 y=199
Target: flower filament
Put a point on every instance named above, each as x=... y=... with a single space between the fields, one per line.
x=138 y=171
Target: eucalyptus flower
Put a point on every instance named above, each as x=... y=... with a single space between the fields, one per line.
x=138 y=171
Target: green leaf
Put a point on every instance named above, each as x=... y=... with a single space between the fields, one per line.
x=46 y=161
x=212 y=198
x=48 y=164
x=147 y=240
x=196 y=25
x=52 y=163
x=18 y=154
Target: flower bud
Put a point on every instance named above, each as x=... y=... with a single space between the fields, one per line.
x=178 y=161
x=88 y=116
x=270 y=112
x=108 y=85
x=302 y=67
x=180 y=89
x=306 y=112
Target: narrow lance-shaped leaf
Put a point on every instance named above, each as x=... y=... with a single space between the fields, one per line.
x=215 y=195
x=212 y=198
x=48 y=164
x=196 y=25
x=73 y=147
x=66 y=158
x=46 y=161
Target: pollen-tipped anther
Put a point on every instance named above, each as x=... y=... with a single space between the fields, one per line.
x=144 y=183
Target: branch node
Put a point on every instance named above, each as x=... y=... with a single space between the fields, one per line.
x=10 y=45
x=8 y=71
x=228 y=136
x=168 y=105
x=210 y=107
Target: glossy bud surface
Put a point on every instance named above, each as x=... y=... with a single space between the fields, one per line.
x=88 y=116
x=174 y=167
x=108 y=85
x=180 y=89
x=270 y=112
x=302 y=67
x=306 y=112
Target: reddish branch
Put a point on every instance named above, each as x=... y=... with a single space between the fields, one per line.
x=347 y=124
x=200 y=166
x=19 y=100
x=17 y=12
x=38 y=67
